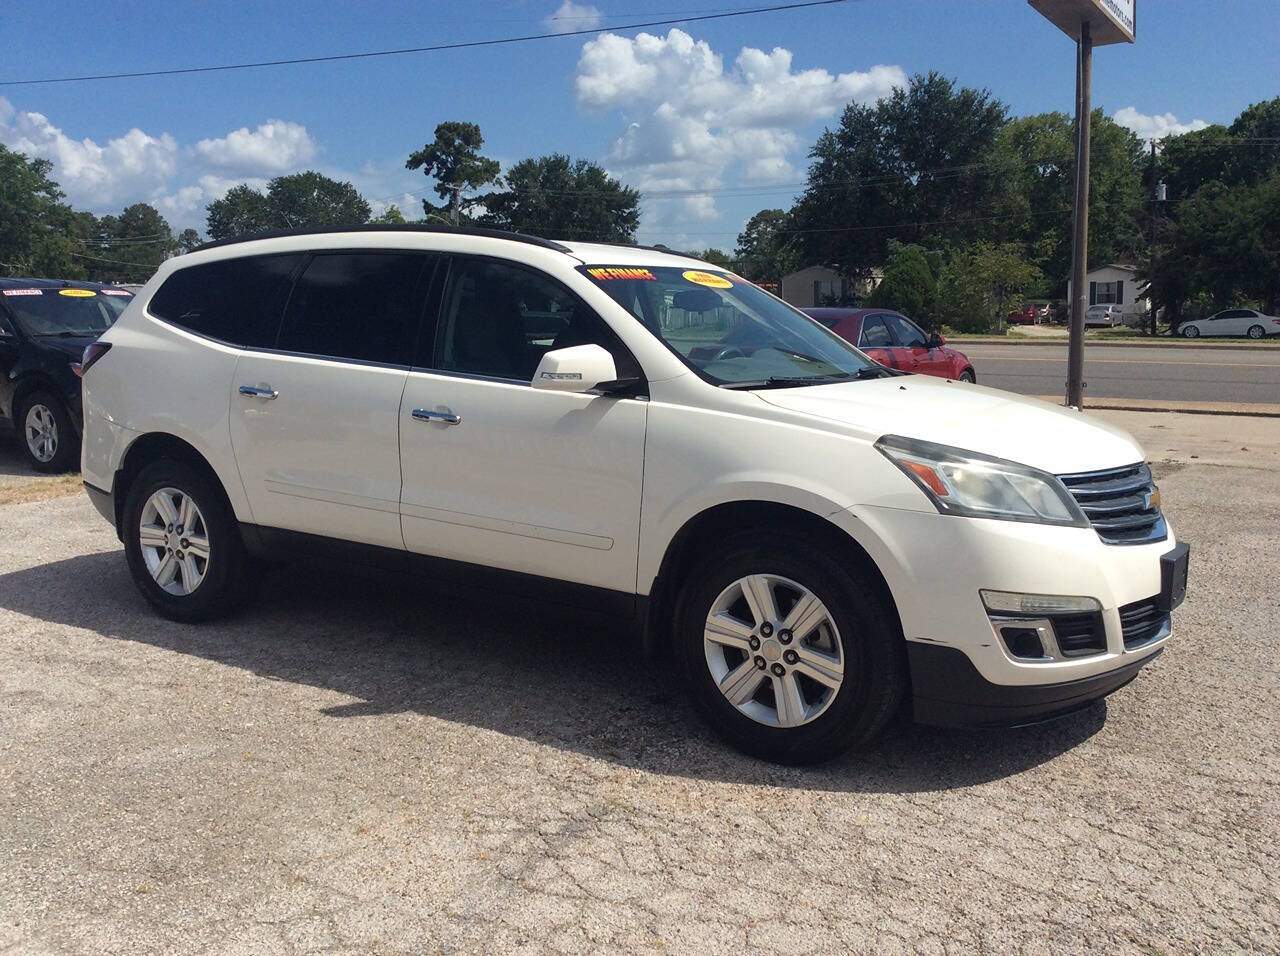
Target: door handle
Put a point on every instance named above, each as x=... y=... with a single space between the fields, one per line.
x=257 y=391
x=431 y=415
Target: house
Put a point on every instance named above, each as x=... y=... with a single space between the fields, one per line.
x=1116 y=283
x=819 y=286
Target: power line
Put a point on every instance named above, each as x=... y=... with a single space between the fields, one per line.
x=462 y=45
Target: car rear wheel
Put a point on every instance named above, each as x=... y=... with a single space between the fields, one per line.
x=1190 y=332
x=49 y=437
x=1256 y=331
x=182 y=543
x=789 y=657
x=968 y=376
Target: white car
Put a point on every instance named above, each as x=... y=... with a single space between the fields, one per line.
x=1104 y=315
x=1250 y=322
x=812 y=538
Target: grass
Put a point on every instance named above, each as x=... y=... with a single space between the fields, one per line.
x=39 y=488
x=1117 y=334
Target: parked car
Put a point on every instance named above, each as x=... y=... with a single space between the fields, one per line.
x=1025 y=315
x=1103 y=315
x=811 y=537
x=1250 y=322
x=894 y=340
x=45 y=325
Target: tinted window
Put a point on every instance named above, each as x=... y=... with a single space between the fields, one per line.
x=236 y=300
x=907 y=332
x=875 y=334
x=499 y=320
x=357 y=305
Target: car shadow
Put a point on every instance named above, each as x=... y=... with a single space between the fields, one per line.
x=558 y=677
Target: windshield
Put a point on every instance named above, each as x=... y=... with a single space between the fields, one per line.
x=729 y=331
x=66 y=312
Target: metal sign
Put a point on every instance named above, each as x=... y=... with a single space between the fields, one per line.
x=1110 y=21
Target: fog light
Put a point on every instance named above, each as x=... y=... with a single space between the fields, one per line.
x=1023 y=642
x=1037 y=605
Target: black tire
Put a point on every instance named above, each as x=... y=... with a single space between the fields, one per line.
x=875 y=669
x=968 y=376
x=1189 y=332
x=66 y=456
x=230 y=572
x=1256 y=332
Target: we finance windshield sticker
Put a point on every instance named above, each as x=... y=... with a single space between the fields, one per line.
x=709 y=279
x=117 y=292
x=22 y=291
x=605 y=273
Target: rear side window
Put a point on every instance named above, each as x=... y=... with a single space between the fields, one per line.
x=238 y=301
x=358 y=305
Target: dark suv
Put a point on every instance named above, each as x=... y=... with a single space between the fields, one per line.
x=45 y=325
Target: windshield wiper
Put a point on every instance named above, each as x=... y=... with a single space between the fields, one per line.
x=67 y=334
x=873 y=371
x=785 y=381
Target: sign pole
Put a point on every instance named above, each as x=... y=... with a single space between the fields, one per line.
x=1080 y=238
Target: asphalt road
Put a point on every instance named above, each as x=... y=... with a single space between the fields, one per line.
x=360 y=766
x=1189 y=374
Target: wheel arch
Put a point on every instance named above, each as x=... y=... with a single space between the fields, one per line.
x=34 y=381
x=698 y=535
x=154 y=446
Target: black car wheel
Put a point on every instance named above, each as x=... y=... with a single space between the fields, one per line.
x=48 y=435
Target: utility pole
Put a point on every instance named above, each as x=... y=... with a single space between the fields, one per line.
x=1080 y=235
x=1151 y=256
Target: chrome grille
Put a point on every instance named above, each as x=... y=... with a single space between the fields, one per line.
x=1118 y=502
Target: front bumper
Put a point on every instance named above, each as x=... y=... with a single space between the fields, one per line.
x=948 y=691
x=935 y=566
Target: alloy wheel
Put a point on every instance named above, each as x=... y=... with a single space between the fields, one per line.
x=41 y=431
x=774 y=651
x=174 y=541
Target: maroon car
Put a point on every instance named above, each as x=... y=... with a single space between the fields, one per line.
x=894 y=340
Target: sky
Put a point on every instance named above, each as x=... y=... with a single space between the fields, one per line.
x=711 y=120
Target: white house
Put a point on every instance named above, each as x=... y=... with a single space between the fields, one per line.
x=818 y=286
x=1116 y=283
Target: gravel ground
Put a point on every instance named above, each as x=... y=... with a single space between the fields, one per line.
x=365 y=766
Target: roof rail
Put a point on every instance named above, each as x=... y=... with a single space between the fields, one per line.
x=387 y=227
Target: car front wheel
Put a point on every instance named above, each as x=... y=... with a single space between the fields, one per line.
x=49 y=437
x=182 y=543
x=1190 y=332
x=789 y=658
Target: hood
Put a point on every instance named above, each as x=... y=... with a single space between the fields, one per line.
x=71 y=347
x=987 y=420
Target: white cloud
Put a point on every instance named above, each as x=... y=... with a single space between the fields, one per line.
x=92 y=174
x=275 y=146
x=570 y=16
x=690 y=121
x=1156 y=126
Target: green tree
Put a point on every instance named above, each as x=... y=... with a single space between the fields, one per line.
x=557 y=197
x=188 y=239
x=1034 y=158
x=37 y=230
x=767 y=248
x=301 y=199
x=980 y=282
x=717 y=257
x=128 y=247
x=909 y=285
x=391 y=215
x=453 y=159
x=914 y=167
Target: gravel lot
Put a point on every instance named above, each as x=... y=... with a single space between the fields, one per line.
x=364 y=766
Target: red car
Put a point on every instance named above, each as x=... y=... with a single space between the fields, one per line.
x=894 y=340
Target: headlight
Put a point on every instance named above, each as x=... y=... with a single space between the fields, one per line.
x=966 y=483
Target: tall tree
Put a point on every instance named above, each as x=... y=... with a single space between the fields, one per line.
x=908 y=285
x=36 y=227
x=980 y=282
x=767 y=250
x=301 y=199
x=557 y=197
x=913 y=167
x=453 y=159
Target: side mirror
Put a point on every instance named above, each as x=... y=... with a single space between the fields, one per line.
x=578 y=368
x=936 y=341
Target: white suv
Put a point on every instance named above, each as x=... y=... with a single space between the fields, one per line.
x=814 y=538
